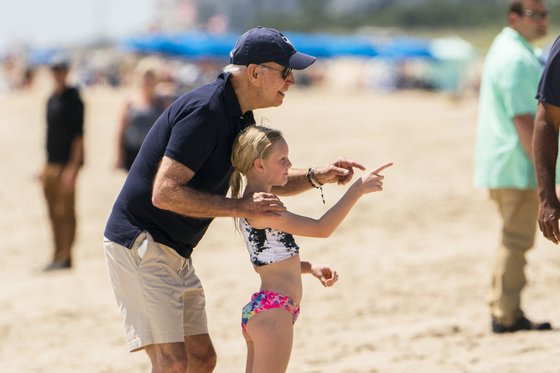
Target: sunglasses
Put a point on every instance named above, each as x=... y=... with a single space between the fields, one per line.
x=536 y=14
x=285 y=72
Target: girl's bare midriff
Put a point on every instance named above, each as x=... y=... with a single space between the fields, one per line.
x=283 y=277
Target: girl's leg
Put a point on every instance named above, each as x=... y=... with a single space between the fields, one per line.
x=272 y=334
x=250 y=353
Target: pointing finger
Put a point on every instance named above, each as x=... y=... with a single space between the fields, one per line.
x=348 y=163
x=379 y=169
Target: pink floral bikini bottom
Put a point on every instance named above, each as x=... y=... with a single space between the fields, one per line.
x=266 y=300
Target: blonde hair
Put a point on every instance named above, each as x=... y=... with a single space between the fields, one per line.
x=251 y=144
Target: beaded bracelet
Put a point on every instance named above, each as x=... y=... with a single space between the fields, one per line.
x=312 y=179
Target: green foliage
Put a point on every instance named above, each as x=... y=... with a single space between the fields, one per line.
x=434 y=14
x=444 y=13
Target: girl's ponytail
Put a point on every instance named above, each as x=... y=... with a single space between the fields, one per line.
x=236 y=184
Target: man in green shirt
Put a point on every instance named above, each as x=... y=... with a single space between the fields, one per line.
x=503 y=162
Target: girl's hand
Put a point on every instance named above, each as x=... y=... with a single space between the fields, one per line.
x=325 y=273
x=372 y=181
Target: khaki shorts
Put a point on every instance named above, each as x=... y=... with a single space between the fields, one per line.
x=157 y=290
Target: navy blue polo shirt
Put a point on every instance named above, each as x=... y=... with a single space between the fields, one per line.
x=549 y=86
x=197 y=130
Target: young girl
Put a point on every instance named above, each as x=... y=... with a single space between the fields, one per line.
x=261 y=155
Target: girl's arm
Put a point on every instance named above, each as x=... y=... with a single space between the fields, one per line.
x=324 y=226
x=325 y=273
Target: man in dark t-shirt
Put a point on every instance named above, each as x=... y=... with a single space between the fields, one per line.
x=545 y=144
x=178 y=184
x=65 y=150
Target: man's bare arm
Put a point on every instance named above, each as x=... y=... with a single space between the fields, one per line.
x=524 y=126
x=341 y=171
x=545 y=151
x=171 y=193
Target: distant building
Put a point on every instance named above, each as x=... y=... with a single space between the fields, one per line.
x=240 y=15
x=214 y=15
x=176 y=15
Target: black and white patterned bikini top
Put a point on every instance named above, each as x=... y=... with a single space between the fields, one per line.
x=267 y=245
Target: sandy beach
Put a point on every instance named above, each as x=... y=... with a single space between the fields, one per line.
x=414 y=261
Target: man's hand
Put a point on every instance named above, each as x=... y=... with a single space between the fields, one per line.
x=257 y=204
x=325 y=273
x=340 y=171
x=548 y=222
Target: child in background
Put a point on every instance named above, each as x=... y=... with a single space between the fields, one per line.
x=261 y=155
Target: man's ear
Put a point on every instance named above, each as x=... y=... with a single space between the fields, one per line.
x=513 y=18
x=252 y=71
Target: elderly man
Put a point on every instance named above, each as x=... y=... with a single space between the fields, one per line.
x=178 y=184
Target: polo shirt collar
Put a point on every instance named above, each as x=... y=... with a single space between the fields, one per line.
x=232 y=103
x=511 y=33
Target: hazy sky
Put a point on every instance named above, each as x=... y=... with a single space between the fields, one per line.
x=53 y=23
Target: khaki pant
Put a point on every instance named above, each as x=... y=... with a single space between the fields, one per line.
x=60 y=204
x=518 y=210
x=159 y=295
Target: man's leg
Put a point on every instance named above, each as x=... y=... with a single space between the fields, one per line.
x=201 y=355
x=167 y=357
x=195 y=355
x=65 y=224
x=156 y=289
x=518 y=210
x=51 y=177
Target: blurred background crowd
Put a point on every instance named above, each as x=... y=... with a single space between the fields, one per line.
x=433 y=45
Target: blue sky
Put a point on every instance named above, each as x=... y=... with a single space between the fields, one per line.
x=56 y=23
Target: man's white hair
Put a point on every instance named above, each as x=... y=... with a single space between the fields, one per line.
x=231 y=68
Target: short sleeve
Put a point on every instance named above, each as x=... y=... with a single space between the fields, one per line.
x=519 y=82
x=549 y=87
x=193 y=138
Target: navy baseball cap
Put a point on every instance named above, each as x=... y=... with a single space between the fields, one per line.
x=262 y=44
